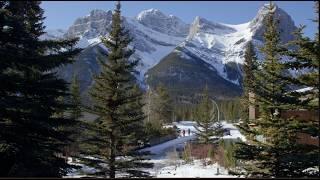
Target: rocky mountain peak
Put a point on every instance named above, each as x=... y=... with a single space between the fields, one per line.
x=150 y=13
x=286 y=24
x=99 y=13
x=205 y=26
x=167 y=24
x=92 y=25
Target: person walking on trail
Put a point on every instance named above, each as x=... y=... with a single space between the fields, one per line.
x=183 y=132
x=189 y=132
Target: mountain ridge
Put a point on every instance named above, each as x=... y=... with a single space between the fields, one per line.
x=156 y=35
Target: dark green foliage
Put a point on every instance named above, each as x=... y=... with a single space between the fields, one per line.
x=75 y=114
x=32 y=133
x=271 y=99
x=304 y=56
x=249 y=68
x=229 y=153
x=205 y=115
x=230 y=110
x=117 y=100
x=75 y=98
x=183 y=111
x=161 y=110
x=277 y=154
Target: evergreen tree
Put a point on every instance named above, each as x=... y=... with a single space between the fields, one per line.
x=159 y=110
x=207 y=123
x=249 y=68
x=304 y=57
x=229 y=157
x=269 y=157
x=75 y=114
x=118 y=102
x=230 y=110
x=75 y=98
x=31 y=136
x=162 y=110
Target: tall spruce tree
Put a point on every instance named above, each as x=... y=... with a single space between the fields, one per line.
x=75 y=98
x=304 y=57
x=31 y=136
x=269 y=156
x=75 y=114
x=249 y=68
x=207 y=123
x=162 y=109
x=118 y=101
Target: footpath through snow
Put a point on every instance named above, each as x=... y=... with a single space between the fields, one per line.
x=234 y=133
x=161 y=148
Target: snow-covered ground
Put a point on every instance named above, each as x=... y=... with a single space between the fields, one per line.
x=175 y=143
x=75 y=173
x=193 y=170
x=164 y=166
x=234 y=132
x=186 y=125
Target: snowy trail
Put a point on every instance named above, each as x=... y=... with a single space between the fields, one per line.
x=160 y=148
x=186 y=125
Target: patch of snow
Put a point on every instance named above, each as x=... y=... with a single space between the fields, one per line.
x=186 y=125
x=312 y=170
x=220 y=49
x=158 y=149
x=82 y=43
x=75 y=173
x=304 y=89
x=194 y=170
x=94 y=40
x=234 y=131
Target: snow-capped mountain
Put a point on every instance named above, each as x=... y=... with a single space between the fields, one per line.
x=53 y=34
x=171 y=49
x=160 y=22
x=218 y=49
x=151 y=42
x=220 y=44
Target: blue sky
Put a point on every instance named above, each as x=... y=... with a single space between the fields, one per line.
x=62 y=14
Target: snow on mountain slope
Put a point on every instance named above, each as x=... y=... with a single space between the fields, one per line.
x=160 y=22
x=53 y=34
x=221 y=44
x=151 y=46
x=151 y=42
x=218 y=47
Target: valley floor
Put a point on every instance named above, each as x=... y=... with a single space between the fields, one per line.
x=165 y=166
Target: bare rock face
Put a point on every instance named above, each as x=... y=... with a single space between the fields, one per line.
x=97 y=23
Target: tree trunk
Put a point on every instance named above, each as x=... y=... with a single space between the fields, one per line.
x=112 y=170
